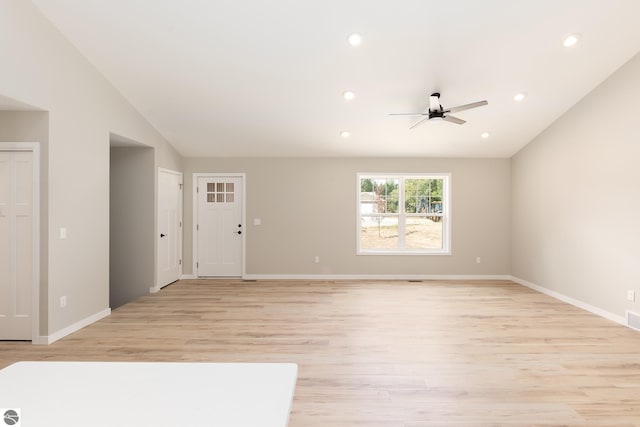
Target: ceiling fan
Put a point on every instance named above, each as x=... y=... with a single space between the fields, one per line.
x=437 y=112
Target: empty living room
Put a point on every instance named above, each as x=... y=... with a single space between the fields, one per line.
x=312 y=213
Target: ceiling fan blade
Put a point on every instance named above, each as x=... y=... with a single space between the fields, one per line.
x=434 y=102
x=466 y=107
x=419 y=122
x=453 y=120
x=408 y=114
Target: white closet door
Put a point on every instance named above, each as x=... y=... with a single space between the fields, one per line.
x=16 y=244
x=169 y=227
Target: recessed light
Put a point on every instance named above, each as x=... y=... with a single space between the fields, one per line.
x=345 y=134
x=519 y=96
x=571 y=40
x=348 y=95
x=355 y=39
x=485 y=135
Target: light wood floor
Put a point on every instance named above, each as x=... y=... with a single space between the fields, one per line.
x=387 y=353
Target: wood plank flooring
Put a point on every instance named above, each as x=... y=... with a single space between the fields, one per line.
x=382 y=353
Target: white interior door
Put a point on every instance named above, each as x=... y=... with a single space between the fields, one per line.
x=219 y=226
x=169 y=226
x=16 y=244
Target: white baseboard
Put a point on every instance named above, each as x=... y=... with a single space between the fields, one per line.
x=73 y=328
x=580 y=304
x=372 y=277
x=157 y=288
x=41 y=340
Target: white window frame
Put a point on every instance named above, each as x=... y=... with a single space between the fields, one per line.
x=446 y=213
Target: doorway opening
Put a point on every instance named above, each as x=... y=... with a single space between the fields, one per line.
x=131 y=225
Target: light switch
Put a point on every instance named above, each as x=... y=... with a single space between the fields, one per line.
x=63 y=233
x=257 y=221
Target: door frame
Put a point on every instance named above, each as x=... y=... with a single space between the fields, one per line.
x=194 y=232
x=157 y=285
x=34 y=148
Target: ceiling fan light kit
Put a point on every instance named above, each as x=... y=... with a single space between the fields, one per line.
x=438 y=113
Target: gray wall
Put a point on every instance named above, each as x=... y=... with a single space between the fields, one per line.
x=131 y=233
x=576 y=199
x=41 y=68
x=33 y=126
x=308 y=207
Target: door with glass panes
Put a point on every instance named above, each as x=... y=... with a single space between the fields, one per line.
x=219 y=226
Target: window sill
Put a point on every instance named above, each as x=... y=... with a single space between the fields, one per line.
x=406 y=252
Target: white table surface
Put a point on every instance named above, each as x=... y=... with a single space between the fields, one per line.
x=113 y=394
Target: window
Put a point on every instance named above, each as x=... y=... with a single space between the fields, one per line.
x=220 y=192
x=403 y=214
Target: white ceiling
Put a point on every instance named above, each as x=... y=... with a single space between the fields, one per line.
x=265 y=78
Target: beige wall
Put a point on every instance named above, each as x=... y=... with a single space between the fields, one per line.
x=308 y=207
x=576 y=199
x=40 y=68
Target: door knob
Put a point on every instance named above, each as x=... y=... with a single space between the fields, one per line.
x=162 y=235
x=239 y=232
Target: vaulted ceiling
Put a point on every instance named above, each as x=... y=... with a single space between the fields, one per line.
x=231 y=78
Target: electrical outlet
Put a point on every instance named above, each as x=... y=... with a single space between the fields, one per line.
x=317 y=259
x=63 y=302
x=478 y=260
x=63 y=233
x=631 y=295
